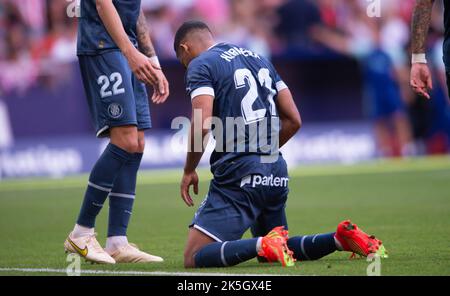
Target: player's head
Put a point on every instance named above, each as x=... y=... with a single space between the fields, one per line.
x=191 y=39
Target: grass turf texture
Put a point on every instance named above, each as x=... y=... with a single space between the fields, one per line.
x=405 y=203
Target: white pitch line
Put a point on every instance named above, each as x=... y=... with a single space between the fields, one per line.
x=136 y=273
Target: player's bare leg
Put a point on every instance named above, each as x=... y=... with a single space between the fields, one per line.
x=126 y=137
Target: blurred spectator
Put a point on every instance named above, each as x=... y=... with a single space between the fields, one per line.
x=161 y=19
x=362 y=37
x=296 y=18
x=243 y=28
x=266 y=26
x=39 y=46
x=18 y=70
x=214 y=12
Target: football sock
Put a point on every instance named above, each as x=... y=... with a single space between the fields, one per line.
x=101 y=182
x=115 y=242
x=312 y=247
x=80 y=231
x=227 y=253
x=121 y=198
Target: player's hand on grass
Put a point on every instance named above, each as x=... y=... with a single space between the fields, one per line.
x=189 y=179
x=421 y=79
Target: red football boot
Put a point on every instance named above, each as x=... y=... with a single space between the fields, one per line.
x=353 y=239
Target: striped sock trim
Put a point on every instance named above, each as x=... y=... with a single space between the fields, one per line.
x=302 y=246
x=90 y=184
x=222 y=254
x=130 y=196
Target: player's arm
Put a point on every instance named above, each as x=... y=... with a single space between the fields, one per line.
x=202 y=108
x=146 y=47
x=420 y=73
x=289 y=115
x=141 y=65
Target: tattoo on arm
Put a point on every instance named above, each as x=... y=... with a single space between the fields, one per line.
x=421 y=24
x=143 y=36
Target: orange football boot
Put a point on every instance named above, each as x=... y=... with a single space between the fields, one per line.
x=274 y=247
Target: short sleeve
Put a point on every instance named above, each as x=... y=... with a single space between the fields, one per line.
x=199 y=80
x=279 y=83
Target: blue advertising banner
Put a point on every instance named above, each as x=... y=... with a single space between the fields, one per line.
x=62 y=156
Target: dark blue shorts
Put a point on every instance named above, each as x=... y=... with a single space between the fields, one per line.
x=115 y=96
x=244 y=194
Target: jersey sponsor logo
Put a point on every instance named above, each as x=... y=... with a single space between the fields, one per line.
x=115 y=110
x=265 y=181
x=233 y=52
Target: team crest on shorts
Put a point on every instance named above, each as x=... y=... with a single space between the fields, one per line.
x=115 y=110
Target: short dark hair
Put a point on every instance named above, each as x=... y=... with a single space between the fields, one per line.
x=185 y=29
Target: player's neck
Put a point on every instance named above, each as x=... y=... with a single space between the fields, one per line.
x=208 y=44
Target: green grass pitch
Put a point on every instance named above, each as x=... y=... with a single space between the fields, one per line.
x=405 y=203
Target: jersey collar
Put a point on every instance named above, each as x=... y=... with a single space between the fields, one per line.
x=213 y=46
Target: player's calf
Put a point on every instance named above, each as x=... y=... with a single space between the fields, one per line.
x=313 y=247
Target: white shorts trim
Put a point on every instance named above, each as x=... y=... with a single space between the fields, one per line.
x=105 y=128
x=207 y=233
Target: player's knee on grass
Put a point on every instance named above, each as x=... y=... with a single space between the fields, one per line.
x=189 y=260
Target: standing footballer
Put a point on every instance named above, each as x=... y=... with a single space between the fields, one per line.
x=421 y=81
x=116 y=59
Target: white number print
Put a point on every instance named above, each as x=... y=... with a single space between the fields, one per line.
x=243 y=75
x=266 y=80
x=105 y=82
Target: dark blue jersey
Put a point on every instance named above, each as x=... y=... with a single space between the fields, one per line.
x=245 y=87
x=93 y=37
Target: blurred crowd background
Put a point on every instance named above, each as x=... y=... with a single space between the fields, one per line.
x=334 y=41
